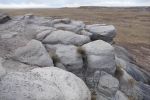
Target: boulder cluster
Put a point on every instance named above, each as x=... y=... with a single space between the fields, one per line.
x=44 y=58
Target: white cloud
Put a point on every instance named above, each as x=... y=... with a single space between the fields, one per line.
x=23 y=5
x=123 y=3
x=69 y=3
x=72 y=5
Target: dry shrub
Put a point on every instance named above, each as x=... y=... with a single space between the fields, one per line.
x=93 y=97
x=81 y=51
x=131 y=98
x=131 y=82
x=55 y=58
x=118 y=72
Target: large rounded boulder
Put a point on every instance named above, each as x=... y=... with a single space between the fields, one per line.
x=48 y=83
x=66 y=37
x=34 y=53
x=100 y=56
x=107 y=87
x=102 y=31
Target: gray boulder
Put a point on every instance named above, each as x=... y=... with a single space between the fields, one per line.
x=60 y=65
x=122 y=53
x=102 y=63
x=70 y=58
x=51 y=48
x=61 y=37
x=11 y=65
x=125 y=59
x=66 y=37
x=36 y=20
x=101 y=31
x=28 y=26
x=43 y=84
x=4 y=18
x=145 y=89
x=10 y=41
x=26 y=86
x=100 y=56
x=33 y=31
x=86 y=33
x=132 y=70
x=41 y=35
x=120 y=96
x=101 y=97
x=64 y=21
x=8 y=35
x=74 y=26
x=72 y=87
x=136 y=73
x=2 y=70
x=107 y=87
x=133 y=89
x=98 y=47
x=129 y=86
x=34 y=53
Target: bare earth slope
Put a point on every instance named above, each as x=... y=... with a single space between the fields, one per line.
x=133 y=25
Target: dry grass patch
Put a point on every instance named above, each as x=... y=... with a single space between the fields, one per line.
x=55 y=58
x=131 y=82
x=131 y=98
x=93 y=97
x=119 y=73
x=81 y=50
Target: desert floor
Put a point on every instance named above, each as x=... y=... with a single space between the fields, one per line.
x=132 y=24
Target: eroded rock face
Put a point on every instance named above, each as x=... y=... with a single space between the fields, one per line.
x=128 y=85
x=74 y=26
x=100 y=56
x=72 y=87
x=102 y=31
x=64 y=21
x=48 y=83
x=120 y=96
x=124 y=59
x=34 y=53
x=70 y=58
x=132 y=69
x=4 y=18
x=27 y=87
x=66 y=37
x=2 y=70
x=145 y=90
x=29 y=42
x=107 y=87
x=11 y=65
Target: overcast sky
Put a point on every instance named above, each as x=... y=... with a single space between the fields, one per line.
x=69 y=3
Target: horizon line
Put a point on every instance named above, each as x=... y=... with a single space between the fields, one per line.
x=72 y=7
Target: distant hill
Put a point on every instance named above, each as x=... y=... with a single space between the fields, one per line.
x=146 y=8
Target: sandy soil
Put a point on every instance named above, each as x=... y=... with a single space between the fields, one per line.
x=132 y=24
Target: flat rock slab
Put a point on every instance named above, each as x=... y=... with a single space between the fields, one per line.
x=66 y=37
x=74 y=26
